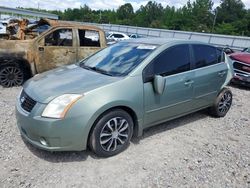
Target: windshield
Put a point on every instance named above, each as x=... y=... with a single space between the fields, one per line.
x=118 y=59
x=107 y=34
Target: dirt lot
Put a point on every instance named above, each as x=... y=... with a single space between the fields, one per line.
x=193 y=151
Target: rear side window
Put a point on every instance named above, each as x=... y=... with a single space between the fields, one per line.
x=172 y=61
x=89 y=38
x=205 y=55
x=220 y=55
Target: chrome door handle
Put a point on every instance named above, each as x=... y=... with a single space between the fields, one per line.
x=188 y=82
x=222 y=73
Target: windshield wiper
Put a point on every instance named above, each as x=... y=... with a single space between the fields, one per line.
x=101 y=71
x=85 y=66
x=96 y=69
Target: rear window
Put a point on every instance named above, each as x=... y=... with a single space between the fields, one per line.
x=205 y=55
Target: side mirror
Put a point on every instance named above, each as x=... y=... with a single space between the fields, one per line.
x=159 y=84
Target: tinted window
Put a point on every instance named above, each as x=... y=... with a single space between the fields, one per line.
x=172 y=61
x=205 y=55
x=89 y=38
x=60 y=37
x=220 y=55
x=118 y=59
x=118 y=35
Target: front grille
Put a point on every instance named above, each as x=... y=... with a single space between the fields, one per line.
x=241 y=67
x=27 y=103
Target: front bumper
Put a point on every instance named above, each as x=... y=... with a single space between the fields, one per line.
x=68 y=134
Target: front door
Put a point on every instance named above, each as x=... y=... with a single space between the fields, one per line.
x=56 y=49
x=174 y=65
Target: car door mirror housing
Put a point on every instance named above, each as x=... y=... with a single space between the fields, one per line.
x=159 y=84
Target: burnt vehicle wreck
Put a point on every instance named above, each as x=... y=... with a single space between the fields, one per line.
x=29 y=51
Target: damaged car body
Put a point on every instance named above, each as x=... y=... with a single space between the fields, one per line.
x=30 y=53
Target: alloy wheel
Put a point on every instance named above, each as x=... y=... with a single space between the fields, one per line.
x=11 y=76
x=114 y=134
x=225 y=102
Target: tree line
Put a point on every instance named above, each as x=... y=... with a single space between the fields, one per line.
x=231 y=17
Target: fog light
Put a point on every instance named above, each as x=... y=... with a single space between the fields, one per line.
x=43 y=141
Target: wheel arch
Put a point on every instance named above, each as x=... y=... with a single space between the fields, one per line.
x=23 y=63
x=129 y=110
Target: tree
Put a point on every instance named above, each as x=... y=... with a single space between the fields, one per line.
x=125 y=11
x=226 y=28
x=197 y=15
x=201 y=10
x=149 y=13
x=230 y=11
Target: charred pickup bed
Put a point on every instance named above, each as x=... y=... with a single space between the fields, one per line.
x=29 y=52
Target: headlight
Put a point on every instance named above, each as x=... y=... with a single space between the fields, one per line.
x=59 y=106
x=19 y=94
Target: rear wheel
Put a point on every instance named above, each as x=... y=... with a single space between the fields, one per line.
x=11 y=75
x=222 y=103
x=112 y=133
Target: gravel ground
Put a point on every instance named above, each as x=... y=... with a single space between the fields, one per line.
x=193 y=151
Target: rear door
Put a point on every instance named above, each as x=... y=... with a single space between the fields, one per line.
x=210 y=74
x=88 y=42
x=57 y=48
x=174 y=65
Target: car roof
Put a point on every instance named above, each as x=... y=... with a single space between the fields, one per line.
x=60 y=23
x=161 y=41
x=112 y=32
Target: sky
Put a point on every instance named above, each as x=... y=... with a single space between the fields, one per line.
x=93 y=4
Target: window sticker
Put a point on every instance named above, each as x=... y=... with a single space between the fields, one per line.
x=146 y=47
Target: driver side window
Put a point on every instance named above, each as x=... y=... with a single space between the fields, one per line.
x=60 y=37
x=174 y=60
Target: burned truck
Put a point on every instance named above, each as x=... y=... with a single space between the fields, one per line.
x=28 y=53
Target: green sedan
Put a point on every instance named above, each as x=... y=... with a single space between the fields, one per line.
x=104 y=100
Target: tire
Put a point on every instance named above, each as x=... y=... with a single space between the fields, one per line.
x=222 y=103
x=111 y=134
x=11 y=74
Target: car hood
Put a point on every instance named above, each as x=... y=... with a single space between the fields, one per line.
x=65 y=80
x=243 y=57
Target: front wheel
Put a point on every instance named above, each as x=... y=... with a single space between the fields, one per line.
x=11 y=75
x=112 y=133
x=222 y=103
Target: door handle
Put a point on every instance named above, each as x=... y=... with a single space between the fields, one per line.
x=221 y=73
x=41 y=49
x=188 y=82
x=69 y=51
